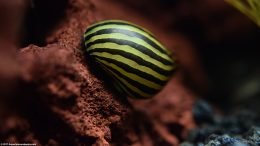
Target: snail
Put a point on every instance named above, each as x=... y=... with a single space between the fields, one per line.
x=138 y=63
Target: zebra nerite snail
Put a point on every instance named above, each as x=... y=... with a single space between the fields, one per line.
x=139 y=64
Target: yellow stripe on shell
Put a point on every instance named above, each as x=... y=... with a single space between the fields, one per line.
x=122 y=21
x=131 y=87
x=129 y=49
x=132 y=76
x=136 y=66
x=116 y=80
x=129 y=28
x=137 y=41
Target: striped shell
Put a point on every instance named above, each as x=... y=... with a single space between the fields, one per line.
x=138 y=63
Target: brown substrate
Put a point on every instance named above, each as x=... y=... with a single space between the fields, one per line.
x=59 y=99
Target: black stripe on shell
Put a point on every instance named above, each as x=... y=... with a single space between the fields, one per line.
x=128 y=33
x=131 y=81
x=118 y=23
x=134 y=45
x=137 y=59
